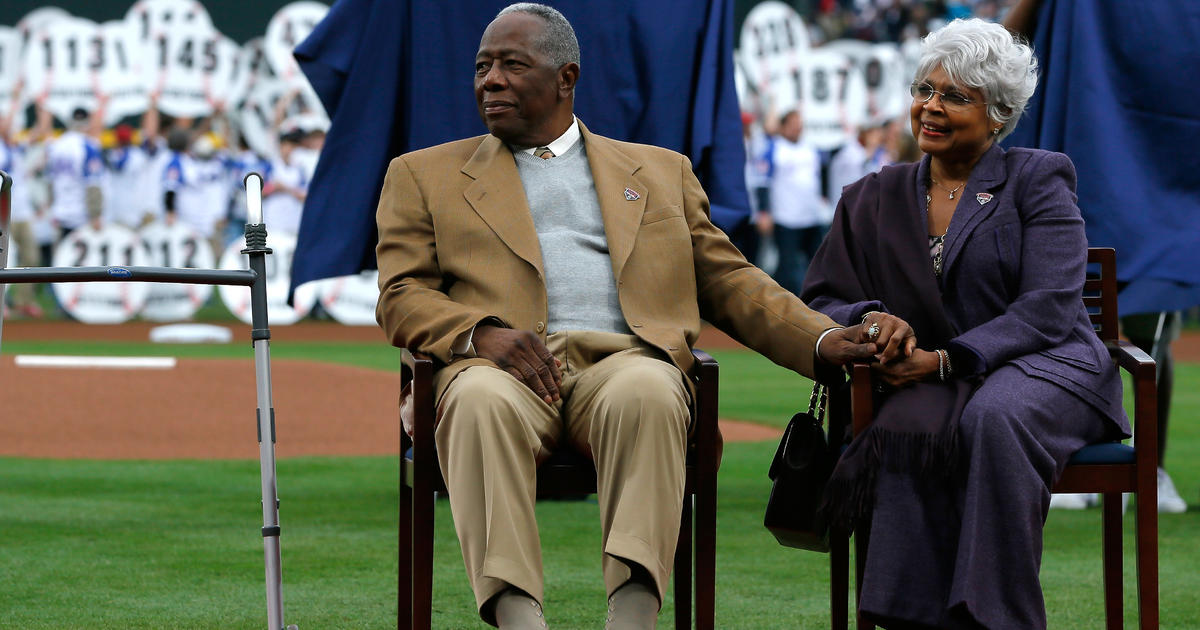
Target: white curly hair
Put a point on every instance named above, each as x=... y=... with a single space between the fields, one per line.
x=985 y=56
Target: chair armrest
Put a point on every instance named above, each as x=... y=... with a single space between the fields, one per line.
x=1132 y=359
x=409 y=359
x=1142 y=368
x=416 y=385
x=706 y=435
x=705 y=373
x=414 y=363
x=704 y=361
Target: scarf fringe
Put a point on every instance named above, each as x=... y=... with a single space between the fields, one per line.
x=849 y=499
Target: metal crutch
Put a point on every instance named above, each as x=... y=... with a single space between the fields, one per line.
x=5 y=212
x=255 y=278
x=257 y=250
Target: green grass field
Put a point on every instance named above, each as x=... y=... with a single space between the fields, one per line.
x=176 y=544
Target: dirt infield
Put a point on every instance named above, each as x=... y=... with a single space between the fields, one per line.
x=45 y=330
x=204 y=408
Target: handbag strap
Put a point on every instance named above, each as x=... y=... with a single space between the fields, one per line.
x=817 y=401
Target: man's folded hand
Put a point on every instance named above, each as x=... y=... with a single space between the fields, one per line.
x=522 y=354
x=841 y=346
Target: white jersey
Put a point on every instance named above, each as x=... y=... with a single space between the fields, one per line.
x=306 y=159
x=73 y=163
x=12 y=161
x=795 y=173
x=201 y=191
x=756 y=165
x=281 y=210
x=126 y=201
x=849 y=165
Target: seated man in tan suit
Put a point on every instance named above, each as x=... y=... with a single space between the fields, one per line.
x=560 y=277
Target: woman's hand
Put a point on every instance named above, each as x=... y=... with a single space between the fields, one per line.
x=892 y=335
x=919 y=366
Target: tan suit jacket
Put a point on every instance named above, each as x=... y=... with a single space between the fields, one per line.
x=457 y=245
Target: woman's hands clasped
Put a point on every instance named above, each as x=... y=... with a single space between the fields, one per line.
x=898 y=362
x=892 y=335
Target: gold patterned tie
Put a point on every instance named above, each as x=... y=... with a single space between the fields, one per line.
x=543 y=152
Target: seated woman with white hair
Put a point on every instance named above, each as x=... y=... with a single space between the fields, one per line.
x=972 y=263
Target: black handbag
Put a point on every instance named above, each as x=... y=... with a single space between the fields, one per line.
x=799 y=472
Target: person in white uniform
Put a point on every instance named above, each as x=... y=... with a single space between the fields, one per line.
x=799 y=214
x=74 y=163
x=287 y=187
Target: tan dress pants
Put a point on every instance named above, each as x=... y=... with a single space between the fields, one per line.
x=622 y=403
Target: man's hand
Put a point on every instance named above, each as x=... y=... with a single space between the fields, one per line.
x=894 y=337
x=918 y=367
x=522 y=354
x=843 y=346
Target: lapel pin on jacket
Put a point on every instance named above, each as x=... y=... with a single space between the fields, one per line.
x=631 y=195
x=983 y=198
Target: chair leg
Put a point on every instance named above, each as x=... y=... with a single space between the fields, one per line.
x=839 y=581
x=1147 y=553
x=1113 y=598
x=683 y=568
x=423 y=516
x=404 y=599
x=862 y=539
x=706 y=549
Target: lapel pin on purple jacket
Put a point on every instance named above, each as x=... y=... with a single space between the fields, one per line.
x=983 y=198
x=631 y=195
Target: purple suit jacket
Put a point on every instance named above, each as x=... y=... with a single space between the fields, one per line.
x=1014 y=264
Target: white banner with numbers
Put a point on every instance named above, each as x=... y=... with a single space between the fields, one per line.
x=166 y=48
x=101 y=302
x=833 y=98
x=350 y=300
x=122 y=71
x=62 y=59
x=839 y=85
x=10 y=67
x=882 y=70
x=773 y=46
x=278 y=268
x=175 y=245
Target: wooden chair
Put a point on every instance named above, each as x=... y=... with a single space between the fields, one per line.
x=566 y=473
x=1109 y=468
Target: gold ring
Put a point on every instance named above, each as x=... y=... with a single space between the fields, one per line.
x=873 y=331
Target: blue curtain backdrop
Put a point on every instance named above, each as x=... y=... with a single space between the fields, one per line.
x=1119 y=92
x=397 y=75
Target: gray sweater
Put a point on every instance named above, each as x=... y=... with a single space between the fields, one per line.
x=580 y=288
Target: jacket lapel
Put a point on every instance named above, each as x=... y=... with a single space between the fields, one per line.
x=499 y=198
x=614 y=173
x=902 y=235
x=988 y=175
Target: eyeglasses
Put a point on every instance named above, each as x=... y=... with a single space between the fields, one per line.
x=922 y=92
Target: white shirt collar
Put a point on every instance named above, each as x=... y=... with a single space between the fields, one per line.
x=563 y=143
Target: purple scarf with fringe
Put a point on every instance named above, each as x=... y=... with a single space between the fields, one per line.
x=876 y=257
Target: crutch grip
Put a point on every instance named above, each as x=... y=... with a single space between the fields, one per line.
x=254 y=188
